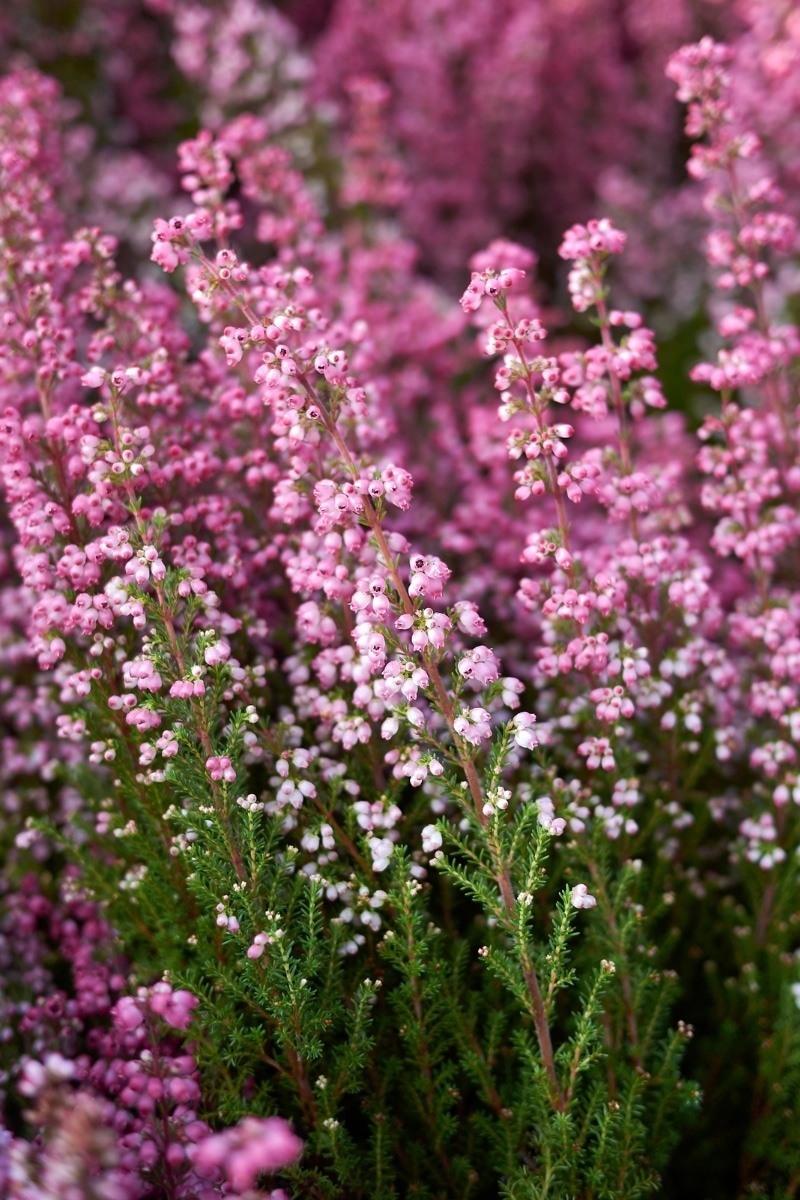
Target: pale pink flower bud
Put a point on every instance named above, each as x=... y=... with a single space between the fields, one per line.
x=94 y=377
x=431 y=839
x=581 y=898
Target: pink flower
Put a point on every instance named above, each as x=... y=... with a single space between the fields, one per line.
x=221 y=768
x=473 y=725
x=174 y=1007
x=479 y=664
x=243 y=1152
x=127 y=1013
x=94 y=377
x=524 y=735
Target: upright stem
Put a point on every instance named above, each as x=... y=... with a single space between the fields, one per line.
x=502 y=874
x=563 y=523
x=43 y=393
x=199 y=712
x=774 y=384
x=619 y=406
x=760 y=573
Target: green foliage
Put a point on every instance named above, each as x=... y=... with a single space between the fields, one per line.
x=450 y=1026
x=412 y=1067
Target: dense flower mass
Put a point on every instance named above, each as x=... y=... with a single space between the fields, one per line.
x=400 y=694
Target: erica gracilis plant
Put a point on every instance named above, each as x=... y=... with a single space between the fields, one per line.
x=411 y=825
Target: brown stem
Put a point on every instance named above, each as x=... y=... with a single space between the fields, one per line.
x=492 y=1095
x=306 y=1092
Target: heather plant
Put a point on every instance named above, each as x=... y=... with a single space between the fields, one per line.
x=427 y=834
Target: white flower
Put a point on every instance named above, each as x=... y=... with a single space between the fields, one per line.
x=381 y=850
x=522 y=726
x=431 y=839
x=581 y=897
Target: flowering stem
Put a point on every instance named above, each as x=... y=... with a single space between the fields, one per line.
x=501 y=873
x=197 y=706
x=619 y=404
x=760 y=573
x=777 y=401
x=563 y=523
